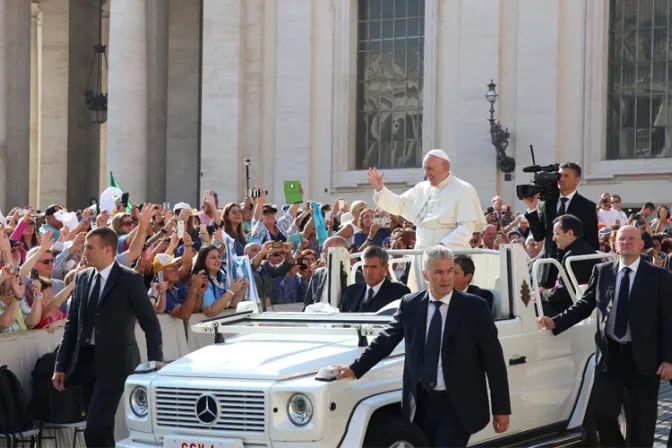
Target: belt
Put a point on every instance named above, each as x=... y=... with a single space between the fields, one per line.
x=623 y=346
x=434 y=393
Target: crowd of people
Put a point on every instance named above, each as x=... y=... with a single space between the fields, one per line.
x=182 y=253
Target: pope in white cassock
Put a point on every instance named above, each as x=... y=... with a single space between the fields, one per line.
x=445 y=209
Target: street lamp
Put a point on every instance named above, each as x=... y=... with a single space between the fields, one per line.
x=94 y=98
x=499 y=137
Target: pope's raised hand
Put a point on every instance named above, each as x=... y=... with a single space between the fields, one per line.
x=376 y=179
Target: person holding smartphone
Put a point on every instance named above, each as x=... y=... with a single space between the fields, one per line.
x=217 y=298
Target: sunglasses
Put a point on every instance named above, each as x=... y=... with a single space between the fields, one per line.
x=30 y=224
x=240 y=212
x=127 y=223
x=47 y=262
x=277 y=254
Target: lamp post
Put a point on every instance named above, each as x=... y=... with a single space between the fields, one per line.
x=499 y=137
x=94 y=98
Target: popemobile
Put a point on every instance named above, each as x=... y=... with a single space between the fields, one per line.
x=265 y=381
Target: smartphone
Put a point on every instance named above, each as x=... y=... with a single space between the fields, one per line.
x=341 y=203
x=216 y=244
x=295 y=239
x=327 y=216
x=34 y=275
x=204 y=228
x=160 y=276
x=386 y=222
x=377 y=220
x=277 y=245
x=124 y=199
x=180 y=229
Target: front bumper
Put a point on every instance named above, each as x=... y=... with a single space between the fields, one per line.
x=128 y=443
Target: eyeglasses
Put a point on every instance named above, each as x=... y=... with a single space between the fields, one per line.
x=47 y=262
x=127 y=223
x=615 y=202
x=134 y=220
x=277 y=254
x=30 y=224
x=238 y=212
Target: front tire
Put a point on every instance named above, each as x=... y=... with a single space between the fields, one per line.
x=392 y=431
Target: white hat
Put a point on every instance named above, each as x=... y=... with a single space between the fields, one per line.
x=440 y=153
x=181 y=205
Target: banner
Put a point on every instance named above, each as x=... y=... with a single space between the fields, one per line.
x=238 y=267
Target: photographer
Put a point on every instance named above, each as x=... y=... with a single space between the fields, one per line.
x=567 y=201
x=606 y=214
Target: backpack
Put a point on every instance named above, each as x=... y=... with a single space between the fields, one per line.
x=50 y=405
x=14 y=414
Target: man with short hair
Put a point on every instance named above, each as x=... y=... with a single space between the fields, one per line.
x=568 y=201
x=51 y=223
x=567 y=233
x=451 y=348
x=633 y=300
x=616 y=203
x=377 y=291
x=446 y=210
x=489 y=236
x=98 y=349
x=464 y=273
x=648 y=211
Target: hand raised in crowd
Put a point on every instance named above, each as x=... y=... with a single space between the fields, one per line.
x=86 y=215
x=46 y=243
x=28 y=216
x=78 y=242
x=374 y=230
x=5 y=245
x=531 y=202
x=220 y=237
x=200 y=282
x=6 y=273
x=295 y=270
x=376 y=179
x=145 y=216
x=186 y=238
x=266 y=247
x=170 y=224
x=102 y=218
x=19 y=287
x=162 y=287
x=205 y=237
x=174 y=241
x=238 y=285
x=288 y=248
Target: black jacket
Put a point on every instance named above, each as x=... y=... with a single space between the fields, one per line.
x=650 y=314
x=470 y=352
x=541 y=225
x=482 y=293
x=317 y=283
x=123 y=300
x=582 y=270
x=353 y=297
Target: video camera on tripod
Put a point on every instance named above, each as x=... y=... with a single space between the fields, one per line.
x=544 y=182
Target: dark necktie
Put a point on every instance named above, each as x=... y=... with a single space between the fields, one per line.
x=430 y=362
x=91 y=306
x=563 y=206
x=367 y=301
x=621 y=324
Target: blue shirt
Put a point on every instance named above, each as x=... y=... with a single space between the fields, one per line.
x=46 y=227
x=176 y=295
x=213 y=293
x=359 y=238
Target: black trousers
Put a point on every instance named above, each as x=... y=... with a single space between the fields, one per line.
x=436 y=417
x=101 y=400
x=621 y=377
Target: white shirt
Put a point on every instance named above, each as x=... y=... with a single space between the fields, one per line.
x=622 y=216
x=611 y=320
x=557 y=207
x=375 y=288
x=609 y=217
x=104 y=275
x=432 y=208
x=440 y=384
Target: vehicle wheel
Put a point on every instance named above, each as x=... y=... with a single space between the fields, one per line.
x=589 y=427
x=393 y=431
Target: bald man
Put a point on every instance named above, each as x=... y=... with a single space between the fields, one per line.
x=633 y=299
x=489 y=236
x=445 y=209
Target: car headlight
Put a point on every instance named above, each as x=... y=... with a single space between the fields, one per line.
x=139 y=402
x=300 y=409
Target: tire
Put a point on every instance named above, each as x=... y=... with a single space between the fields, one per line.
x=392 y=431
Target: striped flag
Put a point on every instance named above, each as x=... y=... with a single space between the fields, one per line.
x=238 y=267
x=115 y=184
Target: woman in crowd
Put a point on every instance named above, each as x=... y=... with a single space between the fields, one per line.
x=52 y=317
x=348 y=229
x=661 y=223
x=25 y=233
x=172 y=296
x=216 y=297
x=231 y=220
x=15 y=313
x=370 y=234
x=122 y=223
x=292 y=287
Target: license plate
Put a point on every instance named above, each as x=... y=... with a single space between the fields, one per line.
x=201 y=442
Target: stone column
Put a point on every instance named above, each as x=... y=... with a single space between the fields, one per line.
x=103 y=177
x=3 y=107
x=157 y=85
x=127 y=104
x=293 y=104
x=221 y=98
x=53 y=104
x=18 y=102
x=36 y=22
x=83 y=134
x=184 y=43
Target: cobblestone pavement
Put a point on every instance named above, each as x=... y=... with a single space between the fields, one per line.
x=664 y=414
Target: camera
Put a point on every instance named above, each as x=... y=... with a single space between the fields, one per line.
x=255 y=193
x=247 y=162
x=544 y=181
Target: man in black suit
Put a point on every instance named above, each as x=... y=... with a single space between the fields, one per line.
x=634 y=339
x=377 y=290
x=569 y=201
x=464 y=273
x=98 y=349
x=567 y=233
x=451 y=346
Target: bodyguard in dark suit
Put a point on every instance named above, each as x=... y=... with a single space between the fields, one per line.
x=569 y=201
x=377 y=290
x=567 y=232
x=634 y=339
x=451 y=347
x=98 y=349
x=464 y=273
